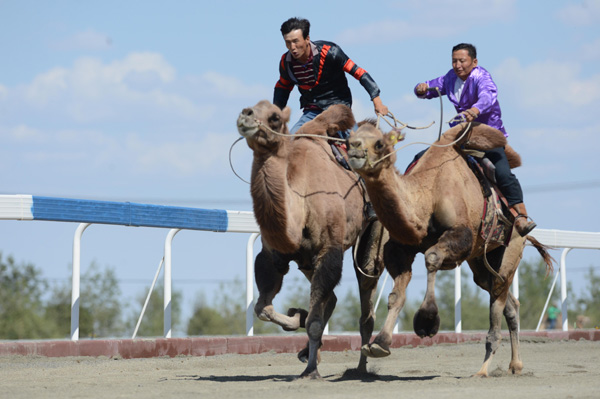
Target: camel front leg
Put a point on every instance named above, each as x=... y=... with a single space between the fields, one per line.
x=269 y=269
x=398 y=261
x=453 y=246
x=426 y=321
x=327 y=274
x=369 y=259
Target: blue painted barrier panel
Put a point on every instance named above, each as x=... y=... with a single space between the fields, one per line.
x=128 y=214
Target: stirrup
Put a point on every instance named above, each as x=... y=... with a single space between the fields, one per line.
x=370 y=212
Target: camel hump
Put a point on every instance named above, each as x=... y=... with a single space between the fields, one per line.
x=337 y=117
x=481 y=137
x=514 y=159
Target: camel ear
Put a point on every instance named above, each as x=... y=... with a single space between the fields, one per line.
x=285 y=113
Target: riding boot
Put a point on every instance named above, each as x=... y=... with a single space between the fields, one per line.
x=523 y=223
x=370 y=212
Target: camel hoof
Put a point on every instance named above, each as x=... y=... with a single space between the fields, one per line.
x=374 y=350
x=426 y=324
x=379 y=351
x=263 y=316
x=301 y=314
x=303 y=355
x=515 y=368
x=479 y=375
x=313 y=375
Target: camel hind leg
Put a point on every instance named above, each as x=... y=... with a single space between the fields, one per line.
x=269 y=269
x=511 y=314
x=502 y=302
x=510 y=262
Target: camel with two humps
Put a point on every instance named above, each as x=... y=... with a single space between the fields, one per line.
x=436 y=210
x=310 y=210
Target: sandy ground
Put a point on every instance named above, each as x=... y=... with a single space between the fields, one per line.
x=553 y=369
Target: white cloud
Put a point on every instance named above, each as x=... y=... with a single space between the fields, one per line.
x=181 y=157
x=392 y=31
x=133 y=115
x=584 y=13
x=25 y=134
x=229 y=87
x=418 y=21
x=88 y=40
x=548 y=83
x=46 y=86
x=591 y=51
x=139 y=84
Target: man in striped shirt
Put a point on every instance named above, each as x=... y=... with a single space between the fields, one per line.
x=318 y=69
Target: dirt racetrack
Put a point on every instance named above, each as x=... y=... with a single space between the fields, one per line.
x=553 y=369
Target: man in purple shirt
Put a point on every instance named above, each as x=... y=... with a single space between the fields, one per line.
x=475 y=96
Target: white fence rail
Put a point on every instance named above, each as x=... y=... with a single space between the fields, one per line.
x=87 y=212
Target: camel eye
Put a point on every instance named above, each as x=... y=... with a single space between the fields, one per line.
x=379 y=145
x=274 y=118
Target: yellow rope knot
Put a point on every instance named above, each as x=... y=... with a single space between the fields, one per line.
x=396 y=135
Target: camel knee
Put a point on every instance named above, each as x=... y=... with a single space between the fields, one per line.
x=314 y=329
x=263 y=312
x=433 y=261
x=493 y=340
x=395 y=300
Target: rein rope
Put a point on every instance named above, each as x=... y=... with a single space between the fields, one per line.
x=231 y=163
x=418 y=142
x=319 y=136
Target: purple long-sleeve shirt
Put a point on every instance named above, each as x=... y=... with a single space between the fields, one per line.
x=479 y=91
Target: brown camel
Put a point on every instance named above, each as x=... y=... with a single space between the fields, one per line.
x=436 y=209
x=310 y=211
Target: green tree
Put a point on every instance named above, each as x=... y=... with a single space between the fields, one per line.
x=226 y=315
x=21 y=305
x=474 y=301
x=346 y=317
x=152 y=324
x=100 y=308
x=534 y=287
x=588 y=303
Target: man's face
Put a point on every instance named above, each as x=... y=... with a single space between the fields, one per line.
x=462 y=63
x=298 y=46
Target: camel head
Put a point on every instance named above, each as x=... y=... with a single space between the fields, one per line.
x=258 y=123
x=369 y=149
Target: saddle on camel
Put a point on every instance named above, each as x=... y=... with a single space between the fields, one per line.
x=498 y=218
x=310 y=211
x=437 y=209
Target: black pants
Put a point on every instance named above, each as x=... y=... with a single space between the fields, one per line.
x=506 y=180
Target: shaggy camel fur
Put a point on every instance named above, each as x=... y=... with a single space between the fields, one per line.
x=310 y=211
x=436 y=210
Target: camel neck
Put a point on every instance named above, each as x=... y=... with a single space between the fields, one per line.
x=393 y=197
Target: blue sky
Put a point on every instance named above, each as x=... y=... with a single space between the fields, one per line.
x=137 y=101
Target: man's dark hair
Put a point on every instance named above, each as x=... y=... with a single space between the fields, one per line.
x=466 y=46
x=296 y=23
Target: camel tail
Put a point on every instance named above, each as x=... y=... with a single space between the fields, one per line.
x=543 y=251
